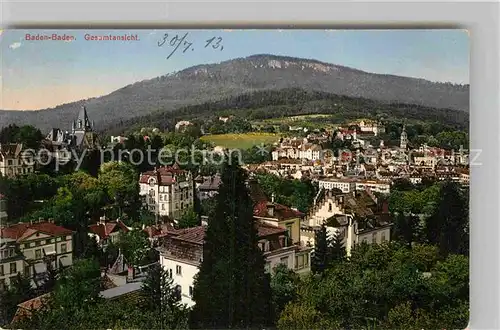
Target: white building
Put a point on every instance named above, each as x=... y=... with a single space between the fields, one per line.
x=181 y=255
x=26 y=246
x=374 y=186
x=118 y=139
x=298 y=149
x=344 y=184
x=341 y=212
x=182 y=124
x=371 y=126
x=167 y=191
x=13 y=162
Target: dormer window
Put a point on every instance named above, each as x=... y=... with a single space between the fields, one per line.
x=79 y=123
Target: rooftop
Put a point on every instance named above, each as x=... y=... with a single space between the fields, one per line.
x=22 y=231
x=104 y=229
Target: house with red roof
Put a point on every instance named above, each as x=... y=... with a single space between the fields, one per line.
x=167 y=191
x=106 y=231
x=26 y=247
x=275 y=214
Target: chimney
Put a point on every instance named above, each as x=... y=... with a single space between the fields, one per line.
x=270 y=209
x=385 y=207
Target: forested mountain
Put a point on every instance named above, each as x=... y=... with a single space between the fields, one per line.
x=291 y=102
x=212 y=82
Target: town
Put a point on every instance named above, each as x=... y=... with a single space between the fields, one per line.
x=356 y=224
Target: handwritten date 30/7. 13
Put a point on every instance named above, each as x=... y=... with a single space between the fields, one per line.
x=176 y=42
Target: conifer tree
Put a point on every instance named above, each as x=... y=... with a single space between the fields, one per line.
x=231 y=289
x=322 y=255
x=160 y=297
x=338 y=252
x=448 y=225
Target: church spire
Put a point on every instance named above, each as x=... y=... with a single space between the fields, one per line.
x=82 y=122
x=404 y=138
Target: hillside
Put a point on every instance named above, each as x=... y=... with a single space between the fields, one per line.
x=291 y=102
x=211 y=82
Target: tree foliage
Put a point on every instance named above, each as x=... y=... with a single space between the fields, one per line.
x=385 y=286
x=160 y=297
x=293 y=193
x=231 y=288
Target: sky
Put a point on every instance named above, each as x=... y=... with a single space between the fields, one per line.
x=38 y=74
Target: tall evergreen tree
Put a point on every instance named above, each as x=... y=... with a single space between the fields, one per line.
x=231 y=289
x=322 y=255
x=338 y=252
x=448 y=225
x=160 y=297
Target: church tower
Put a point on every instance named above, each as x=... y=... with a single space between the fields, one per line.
x=83 y=130
x=82 y=123
x=404 y=139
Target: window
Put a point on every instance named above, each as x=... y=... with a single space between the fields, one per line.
x=190 y=291
x=284 y=260
x=329 y=207
x=289 y=231
x=170 y=272
x=64 y=247
x=2 y=284
x=374 y=238
x=37 y=243
x=178 y=290
x=1 y=270
x=163 y=206
x=27 y=270
x=38 y=254
x=383 y=237
x=27 y=245
x=299 y=262
x=11 y=252
x=13 y=268
x=178 y=270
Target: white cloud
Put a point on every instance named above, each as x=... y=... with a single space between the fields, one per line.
x=15 y=45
